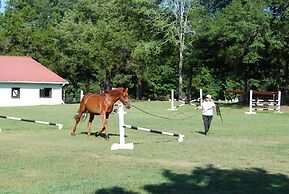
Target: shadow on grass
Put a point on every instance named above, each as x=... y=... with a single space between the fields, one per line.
x=201 y=132
x=213 y=180
x=117 y=190
x=101 y=134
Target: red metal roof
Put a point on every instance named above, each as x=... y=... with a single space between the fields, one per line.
x=26 y=70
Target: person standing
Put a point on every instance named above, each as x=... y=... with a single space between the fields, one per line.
x=207 y=112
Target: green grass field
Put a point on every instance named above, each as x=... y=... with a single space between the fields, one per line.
x=244 y=154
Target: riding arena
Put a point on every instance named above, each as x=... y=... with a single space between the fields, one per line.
x=165 y=147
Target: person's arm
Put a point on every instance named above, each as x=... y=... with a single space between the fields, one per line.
x=207 y=106
x=213 y=105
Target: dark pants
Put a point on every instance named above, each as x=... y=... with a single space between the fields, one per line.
x=207 y=122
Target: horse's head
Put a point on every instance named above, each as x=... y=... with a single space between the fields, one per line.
x=124 y=98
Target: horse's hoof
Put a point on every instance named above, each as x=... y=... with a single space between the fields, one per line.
x=96 y=134
x=107 y=138
x=73 y=134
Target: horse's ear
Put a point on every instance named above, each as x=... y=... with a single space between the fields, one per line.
x=125 y=89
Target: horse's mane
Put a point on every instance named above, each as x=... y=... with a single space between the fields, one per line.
x=113 y=91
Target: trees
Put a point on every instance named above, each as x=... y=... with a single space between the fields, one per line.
x=26 y=27
x=236 y=41
x=244 y=34
x=278 y=51
x=91 y=46
x=154 y=46
x=177 y=18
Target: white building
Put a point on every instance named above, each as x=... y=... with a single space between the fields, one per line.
x=25 y=82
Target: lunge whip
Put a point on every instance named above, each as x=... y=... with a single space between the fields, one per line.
x=218 y=110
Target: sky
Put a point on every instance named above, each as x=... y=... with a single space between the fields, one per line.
x=2 y=5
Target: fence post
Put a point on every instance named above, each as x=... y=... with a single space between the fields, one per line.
x=81 y=95
x=172 y=101
x=251 y=104
x=201 y=97
x=279 y=102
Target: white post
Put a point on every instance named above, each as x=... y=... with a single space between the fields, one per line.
x=122 y=144
x=81 y=95
x=201 y=97
x=120 y=124
x=279 y=102
x=172 y=101
x=251 y=104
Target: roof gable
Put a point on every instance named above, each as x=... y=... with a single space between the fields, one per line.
x=25 y=69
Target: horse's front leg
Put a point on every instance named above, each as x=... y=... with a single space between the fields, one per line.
x=91 y=117
x=99 y=132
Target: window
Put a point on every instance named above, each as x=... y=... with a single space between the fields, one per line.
x=15 y=92
x=46 y=93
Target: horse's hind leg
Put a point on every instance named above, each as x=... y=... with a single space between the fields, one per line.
x=104 y=122
x=77 y=119
x=91 y=117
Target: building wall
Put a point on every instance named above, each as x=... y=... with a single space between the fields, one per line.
x=29 y=94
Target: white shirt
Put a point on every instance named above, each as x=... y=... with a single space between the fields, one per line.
x=208 y=108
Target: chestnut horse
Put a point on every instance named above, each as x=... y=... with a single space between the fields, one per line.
x=101 y=104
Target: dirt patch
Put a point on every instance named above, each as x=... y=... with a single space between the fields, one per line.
x=285 y=108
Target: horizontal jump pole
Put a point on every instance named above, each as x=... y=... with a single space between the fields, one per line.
x=180 y=105
x=32 y=121
x=234 y=92
x=262 y=100
x=265 y=93
x=258 y=104
x=266 y=109
x=180 y=139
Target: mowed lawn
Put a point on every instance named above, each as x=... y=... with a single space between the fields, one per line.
x=244 y=154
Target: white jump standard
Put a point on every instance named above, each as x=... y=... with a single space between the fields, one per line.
x=122 y=126
x=173 y=107
x=121 y=145
x=32 y=121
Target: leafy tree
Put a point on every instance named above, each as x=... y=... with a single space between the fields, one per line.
x=26 y=27
x=278 y=44
x=214 y=5
x=240 y=37
x=177 y=27
x=97 y=45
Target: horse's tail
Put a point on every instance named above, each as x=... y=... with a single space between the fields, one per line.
x=83 y=116
x=82 y=108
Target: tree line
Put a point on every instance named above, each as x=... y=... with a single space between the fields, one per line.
x=153 y=46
